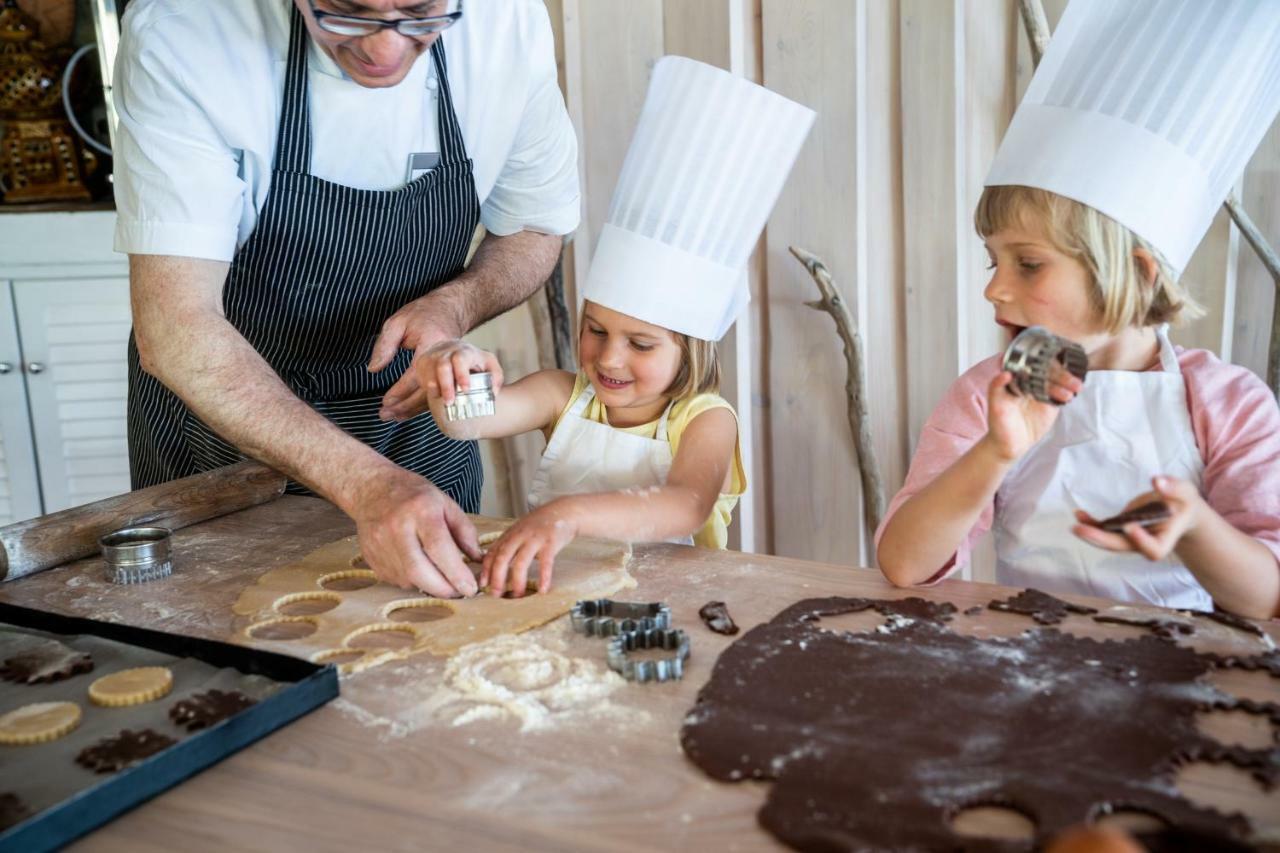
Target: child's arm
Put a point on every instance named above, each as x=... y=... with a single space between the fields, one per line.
x=527 y=404
x=1236 y=569
x=678 y=508
x=925 y=532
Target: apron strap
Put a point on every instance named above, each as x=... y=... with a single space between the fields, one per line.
x=660 y=434
x=579 y=407
x=452 y=149
x=293 y=139
x=1168 y=357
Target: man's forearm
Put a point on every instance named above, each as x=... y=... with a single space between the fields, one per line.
x=186 y=343
x=503 y=273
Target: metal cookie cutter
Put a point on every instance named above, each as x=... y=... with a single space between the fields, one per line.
x=654 y=669
x=1031 y=357
x=605 y=618
x=473 y=402
x=137 y=554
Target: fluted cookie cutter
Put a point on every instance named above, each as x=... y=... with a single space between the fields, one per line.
x=475 y=401
x=1031 y=358
x=137 y=554
x=652 y=669
x=603 y=617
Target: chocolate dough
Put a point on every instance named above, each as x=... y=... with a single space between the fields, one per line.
x=875 y=740
x=120 y=751
x=41 y=661
x=716 y=615
x=202 y=710
x=1231 y=620
x=1040 y=606
x=1161 y=626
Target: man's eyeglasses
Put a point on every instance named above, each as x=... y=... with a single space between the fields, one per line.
x=353 y=26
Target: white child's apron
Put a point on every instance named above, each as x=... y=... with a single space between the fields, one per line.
x=584 y=457
x=1124 y=428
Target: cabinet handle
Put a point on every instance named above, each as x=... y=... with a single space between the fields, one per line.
x=5 y=368
x=35 y=367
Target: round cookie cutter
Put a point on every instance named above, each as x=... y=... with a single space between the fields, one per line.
x=473 y=402
x=1035 y=354
x=137 y=554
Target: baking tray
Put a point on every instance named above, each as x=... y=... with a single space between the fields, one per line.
x=301 y=687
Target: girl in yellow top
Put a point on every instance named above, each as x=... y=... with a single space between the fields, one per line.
x=640 y=446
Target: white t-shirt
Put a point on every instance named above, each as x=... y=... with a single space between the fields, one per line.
x=199 y=89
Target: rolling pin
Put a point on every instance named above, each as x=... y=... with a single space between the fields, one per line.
x=41 y=543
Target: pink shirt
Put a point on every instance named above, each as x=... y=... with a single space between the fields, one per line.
x=1233 y=414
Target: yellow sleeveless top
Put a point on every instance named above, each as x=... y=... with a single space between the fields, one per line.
x=715 y=533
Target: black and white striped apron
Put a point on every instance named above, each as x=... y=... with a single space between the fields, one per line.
x=324 y=267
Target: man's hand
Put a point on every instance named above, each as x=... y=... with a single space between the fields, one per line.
x=540 y=535
x=414 y=536
x=1156 y=542
x=437 y=371
x=417 y=326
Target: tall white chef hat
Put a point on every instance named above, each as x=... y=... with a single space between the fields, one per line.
x=706 y=164
x=1148 y=112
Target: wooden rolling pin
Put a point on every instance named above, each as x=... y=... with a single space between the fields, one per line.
x=41 y=543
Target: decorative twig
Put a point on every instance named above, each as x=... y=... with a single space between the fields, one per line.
x=1272 y=263
x=1037 y=26
x=859 y=419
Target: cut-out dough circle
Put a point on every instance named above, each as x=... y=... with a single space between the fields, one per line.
x=417 y=610
x=283 y=628
x=347 y=581
x=306 y=603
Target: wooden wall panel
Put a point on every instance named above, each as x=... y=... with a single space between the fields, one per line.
x=1255 y=289
x=934 y=194
x=886 y=341
x=811 y=54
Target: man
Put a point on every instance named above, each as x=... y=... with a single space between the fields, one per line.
x=298 y=182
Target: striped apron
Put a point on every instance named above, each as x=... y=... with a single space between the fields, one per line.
x=324 y=267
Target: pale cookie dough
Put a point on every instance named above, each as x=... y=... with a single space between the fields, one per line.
x=585 y=569
x=39 y=723
x=131 y=686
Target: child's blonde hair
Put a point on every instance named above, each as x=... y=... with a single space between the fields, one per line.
x=699 y=371
x=1121 y=293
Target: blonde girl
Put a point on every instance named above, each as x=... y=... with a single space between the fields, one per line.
x=1151 y=421
x=640 y=446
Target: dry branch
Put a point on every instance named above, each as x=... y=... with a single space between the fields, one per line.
x=855 y=385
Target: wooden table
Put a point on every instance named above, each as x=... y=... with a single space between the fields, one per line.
x=363 y=773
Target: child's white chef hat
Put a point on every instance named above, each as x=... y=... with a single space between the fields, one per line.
x=1148 y=112
x=706 y=164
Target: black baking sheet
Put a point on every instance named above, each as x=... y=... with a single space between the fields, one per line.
x=286 y=688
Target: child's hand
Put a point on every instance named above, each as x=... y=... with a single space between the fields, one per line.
x=539 y=535
x=1015 y=422
x=449 y=364
x=1156 y=542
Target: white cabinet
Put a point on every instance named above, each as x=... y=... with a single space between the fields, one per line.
x=64 y=325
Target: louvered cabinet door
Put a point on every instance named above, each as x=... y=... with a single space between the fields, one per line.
x=74 y=333
x=19 y=485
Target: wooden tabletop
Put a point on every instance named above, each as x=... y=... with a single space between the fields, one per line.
x=365 y=772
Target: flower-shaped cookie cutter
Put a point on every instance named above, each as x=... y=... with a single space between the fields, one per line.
x=603 y=617
x=652 y=669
